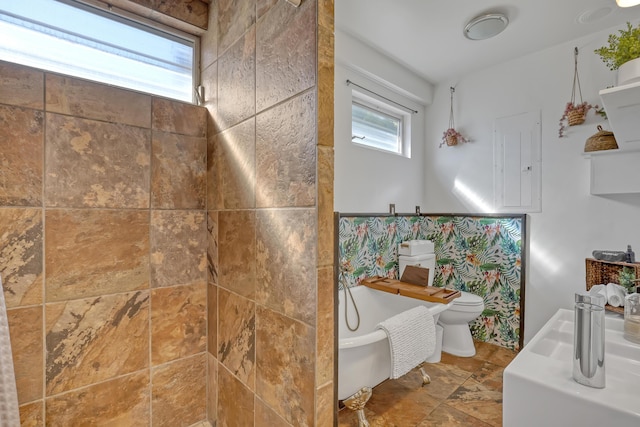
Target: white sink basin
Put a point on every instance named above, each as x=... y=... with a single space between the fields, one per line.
x=539 y=389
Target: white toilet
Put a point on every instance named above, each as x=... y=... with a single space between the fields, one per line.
x=456 y=336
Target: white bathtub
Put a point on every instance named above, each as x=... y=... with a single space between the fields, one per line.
x=364 y=358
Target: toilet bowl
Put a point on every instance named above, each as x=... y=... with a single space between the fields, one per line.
x=456 y=336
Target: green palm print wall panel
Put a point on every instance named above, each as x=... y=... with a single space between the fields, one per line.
x=481 y=255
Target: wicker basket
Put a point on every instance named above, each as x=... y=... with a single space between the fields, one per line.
x=452 y=140
x=603 y=140
x=603 y=272
x=575 y=117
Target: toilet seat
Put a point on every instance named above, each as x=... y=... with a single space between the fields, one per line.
x=467 y=303
x=467 y=298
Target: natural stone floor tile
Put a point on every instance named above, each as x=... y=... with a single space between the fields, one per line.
x=445 y=379
x=231 y=167
x=21 y=147
x=237 y=252
x=83 y=98
x=325 y=336
x=479 y=401
x=21 y=256
x=178 y=248
x=286 y=154
x=484 y=351
x=502 y=357
x=31 y=414
x=120 y=402
x=193 y=12
x=212 y=247
x=463 y=392
x=76 y=244
x=489 y=375
x=265 y=416
x=285 y=374
x=179 y=392
x=402 y=405
x=178 y=325
x=96 y=164
x=235 y=401
x=234 y=19
x=236 y=82
x=25 y=328
x=348 y=418
x=285 y=52
x=286 y=263
x=469 y=364
x=178 y=171
x=21 y=86
x=178 y=117
x=236 y=338
x=95 y=339
x=446 y=416
x=212 y=387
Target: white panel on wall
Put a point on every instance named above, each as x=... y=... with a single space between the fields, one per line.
x=517 y=163
x=615 y=172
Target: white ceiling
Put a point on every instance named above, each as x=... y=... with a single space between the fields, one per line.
x=427 y=35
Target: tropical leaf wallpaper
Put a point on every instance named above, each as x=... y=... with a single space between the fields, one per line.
x=481 y=255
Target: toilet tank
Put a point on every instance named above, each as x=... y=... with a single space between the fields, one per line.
x=424 y=260
x=416 y=247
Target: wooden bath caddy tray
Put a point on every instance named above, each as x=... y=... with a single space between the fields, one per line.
x=426 y=293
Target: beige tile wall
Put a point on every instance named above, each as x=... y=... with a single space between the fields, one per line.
x=103 y=241
x=186 y=15
x=268 y=74
x=123 y=197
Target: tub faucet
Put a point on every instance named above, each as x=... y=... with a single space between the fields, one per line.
x=588 y=340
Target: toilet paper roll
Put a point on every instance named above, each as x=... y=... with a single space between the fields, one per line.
x=615 y=294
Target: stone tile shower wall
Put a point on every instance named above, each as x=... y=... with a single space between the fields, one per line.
x=482 y=255
x=103 y=251
x=267 y=68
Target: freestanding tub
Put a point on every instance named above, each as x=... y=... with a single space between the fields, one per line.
x=364 y=357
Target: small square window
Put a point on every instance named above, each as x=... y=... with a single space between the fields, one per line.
x=379 y=125
x=375 y=128
x=87 y=42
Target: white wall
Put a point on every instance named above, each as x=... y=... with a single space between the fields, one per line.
x=572 y=223
x=367 y=180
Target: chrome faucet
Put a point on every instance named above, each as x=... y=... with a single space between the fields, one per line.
x=588 y=340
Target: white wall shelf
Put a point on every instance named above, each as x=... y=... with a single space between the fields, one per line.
x=618 y=171
x=614 y=171
x=622 y=105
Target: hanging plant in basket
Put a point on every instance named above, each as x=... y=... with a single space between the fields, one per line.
x=451 y=136
x=576 y=113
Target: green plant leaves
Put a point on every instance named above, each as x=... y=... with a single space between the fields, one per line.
x=622 y=48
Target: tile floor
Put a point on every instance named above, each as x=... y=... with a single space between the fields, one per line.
x=464 y=391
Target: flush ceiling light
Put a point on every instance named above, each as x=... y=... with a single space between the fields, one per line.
x=485 y=26
x=627 y=3
x=595 y=14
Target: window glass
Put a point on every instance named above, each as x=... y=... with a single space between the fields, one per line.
x=87 y=42
x=376 y=128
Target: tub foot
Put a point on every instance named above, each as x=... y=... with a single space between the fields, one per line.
x=356 y=403
x=426 y=379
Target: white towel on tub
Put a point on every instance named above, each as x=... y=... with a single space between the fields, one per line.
x=412 y=339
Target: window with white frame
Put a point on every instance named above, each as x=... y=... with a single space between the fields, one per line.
x=78 y=40
x=380 y=125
